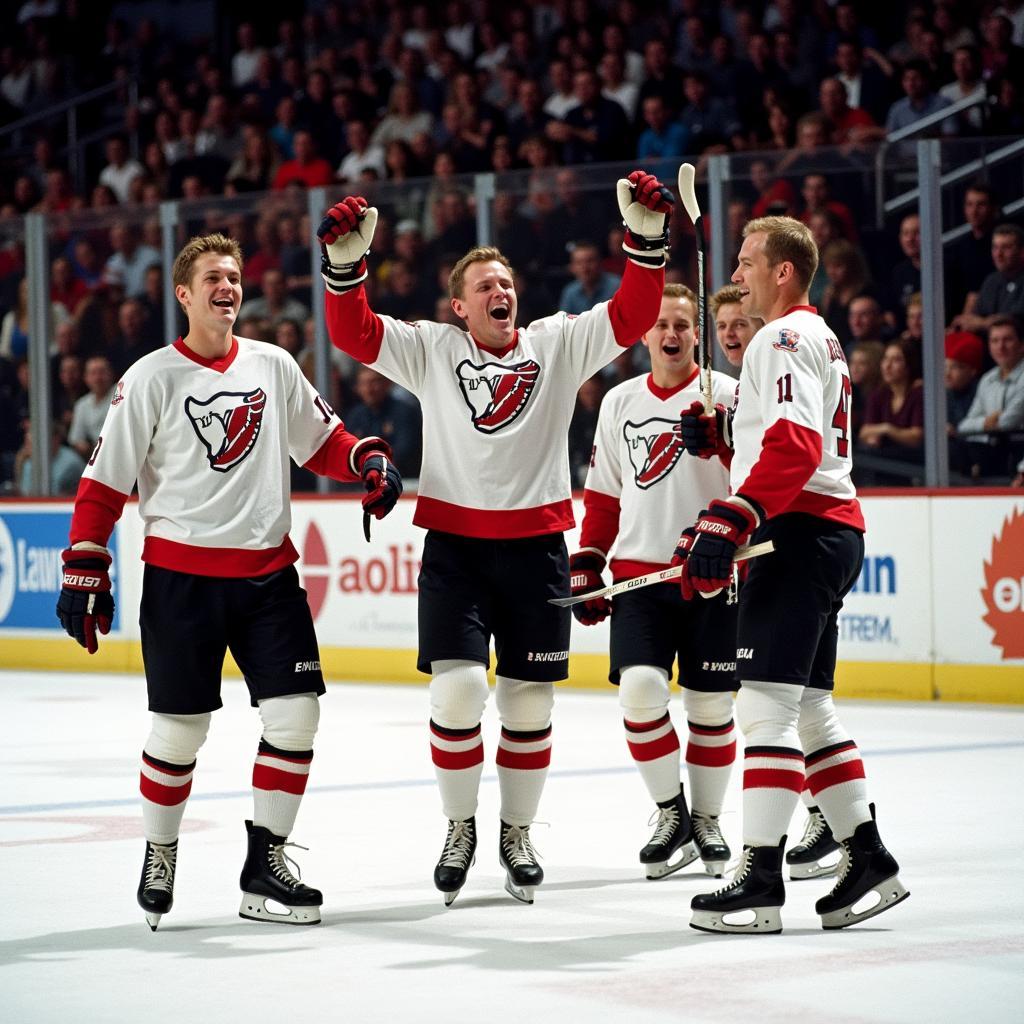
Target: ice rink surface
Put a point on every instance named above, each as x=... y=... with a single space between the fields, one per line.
x=601 y=944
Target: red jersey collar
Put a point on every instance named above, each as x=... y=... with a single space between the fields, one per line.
x=664 y=393
x=220 y=364
x=501 y=352
x=798 y=309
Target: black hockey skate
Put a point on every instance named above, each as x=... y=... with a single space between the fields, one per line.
x=672 y=846
x=270 y=892
x=714 y=850
x=811 y=857
x=867 y=868
x=457 y=857
x=519 y=859
x=750 y=903
x=156 y=886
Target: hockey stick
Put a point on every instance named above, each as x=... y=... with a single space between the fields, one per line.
x=688 y=197
x=661 y=576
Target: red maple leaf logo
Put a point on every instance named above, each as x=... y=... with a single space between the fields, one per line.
x=1003 y=592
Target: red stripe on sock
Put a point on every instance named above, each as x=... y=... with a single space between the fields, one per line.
x=711 y=757
x=656 y=748
x=848 y=771
x=646 y=726
x=524 y=760
x=166 y=796
x=454 y=760
x=270 y=779
x=772 y=778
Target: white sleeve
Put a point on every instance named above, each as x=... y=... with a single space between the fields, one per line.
x=311 y=420
x=605 y=473
x=403 y=351
x=127 y=433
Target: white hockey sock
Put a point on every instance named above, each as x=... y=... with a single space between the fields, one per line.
x=710 y=750
x=650 y=735
x=524 y=750
x=165 y=788
x=279 y=780
x=458 y=693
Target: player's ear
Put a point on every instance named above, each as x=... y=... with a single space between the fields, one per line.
x=458 y=308
x=181 y=293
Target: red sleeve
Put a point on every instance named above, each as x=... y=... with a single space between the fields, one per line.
x=790 y=453
x=352 y=326
x=600 y=521
x=341 y=456
x=97 y=508
x=634 y=307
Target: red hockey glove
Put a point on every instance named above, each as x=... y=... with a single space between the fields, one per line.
x=85 y=603
x=645 y=204
x=679 y=557
x=383 y=485
x=585 y=576
x=720 y=531
x=345 y=235
x=705 y=435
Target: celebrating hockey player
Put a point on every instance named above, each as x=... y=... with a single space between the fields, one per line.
x=494 y=497
x=206 y=427
x=639 y=472
x=790 y=478
x=733 y=328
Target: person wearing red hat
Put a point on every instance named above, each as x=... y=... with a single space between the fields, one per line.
x=964 y=354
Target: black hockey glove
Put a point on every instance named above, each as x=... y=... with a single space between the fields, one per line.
x=345 y=235
x=584 y=576
x=383 y=485
x=705 y=435
x=85 y=604
x=725 y=526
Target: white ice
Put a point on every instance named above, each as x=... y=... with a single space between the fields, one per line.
x=600 y=944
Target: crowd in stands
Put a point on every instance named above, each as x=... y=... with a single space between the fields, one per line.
x=402 y=101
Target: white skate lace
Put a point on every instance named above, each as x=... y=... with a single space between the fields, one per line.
x=160 y=867
x=708 y=830
x=667 y=823
x=814 y=829
x=843 y=867
x=458 y=847
x=742 y=869
x=281 y=864
x=517 y=846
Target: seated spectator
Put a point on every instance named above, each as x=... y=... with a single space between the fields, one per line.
x=865 y=378
x=255 y=168
x=867 y=81
x=130 y=259
x=531 y=118
x=120 y=170
x=70 y=387
x=134 y=339
x=963 y=368
x=561 y=97
x=91 y=409
x=288 y=336
x=306 y=167
x=816 y=195
x=847 y=278
x=894 y=415
x=596 y=129
x=968 y=260
x=582 y=427
x=775 y=196
x=904 y=279
x=403 y=297
x=614 y=84
x=662 y=137
x=848 y=124
x=14 y=336
x=380 y=414
x=865 y=322
x=967 y=84
x=709 y=120
x=66 y=465
x=1002 y=292
x=361 y=154
x=65 y=288
x=274 y=305
x=591 y=285
x=404 y=119
x=919 y=101
x=914 y=329
x=1006 y=117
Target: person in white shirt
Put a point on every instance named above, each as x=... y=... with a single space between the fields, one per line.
x=206 y=427
x=120 y=170
x=90 y=410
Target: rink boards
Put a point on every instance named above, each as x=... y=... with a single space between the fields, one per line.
x=938 y=612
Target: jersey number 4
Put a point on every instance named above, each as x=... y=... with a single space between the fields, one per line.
x=841 y=419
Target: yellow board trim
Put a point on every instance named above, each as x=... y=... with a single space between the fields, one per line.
x=864 y=680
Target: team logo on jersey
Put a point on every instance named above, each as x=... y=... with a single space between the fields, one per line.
x=496 y=394
x=654 y=447
x=118 y=394
x=788 y=340
x=228 y=425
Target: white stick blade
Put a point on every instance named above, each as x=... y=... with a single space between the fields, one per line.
x=688 y=191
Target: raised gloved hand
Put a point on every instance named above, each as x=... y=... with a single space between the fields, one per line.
x=383 y=485
x=706 y=434
x=85 y=603
x=585 y=576
x=645 y=204
x=720 y=530
x=345 y=235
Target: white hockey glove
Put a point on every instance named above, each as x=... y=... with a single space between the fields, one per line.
x=645 y=204
x=345 y=235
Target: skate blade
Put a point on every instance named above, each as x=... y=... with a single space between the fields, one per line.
x=153 y=920
x=716 y=868
x=889 y=893
x=687 y=854
x=523 y=893
x=261 y=908
x=449 y=897
x=814 y=869
x=754 y=921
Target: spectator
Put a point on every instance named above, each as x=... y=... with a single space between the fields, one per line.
x=816 y=195
x=1007 y=116
x=905 y=277
x=967 y=85
x=288 y=336
x=848 y=124
x=968 y=260
x=274 y=305
x=709 y=120
x=866 y=322
x=661 y=78
x=963 y=368
x=531 y=118
x=562 y=98
x=14 y=336
x=914 y=330
x=1000 y=57
x=614 y=84
x=847 y=278
x=596 y=129
x=1002 y=291
x=582 y=427
x=865 y=378
x=255 y=167
x=66 y=465
x=591 y=285
x=66 y=289
x=129 y=259
x=245 y=62
x=361 y=154
x=867 y=83
x=380 y=414
x=91 y=409
x=662 y=137
x=282 y=131
x=404 y=119
x=133 y=340
x=70 y=386
x=120 y=170
x=919 y=101
x=894 y=416
x=306 y=168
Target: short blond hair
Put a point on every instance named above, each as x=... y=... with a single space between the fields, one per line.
x=787 y=241
x=680 y=291
x=478 y=254
x=200 y=245
x=725 y=297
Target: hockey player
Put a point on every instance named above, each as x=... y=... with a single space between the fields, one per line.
x=494 y=497
x=206 y=427
x=638 y=471
x=733 y=328
x=791 y=483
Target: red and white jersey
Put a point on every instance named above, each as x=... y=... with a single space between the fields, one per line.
x=791 y=431
x=495 y=423
x=642 y=487
x=208 y=442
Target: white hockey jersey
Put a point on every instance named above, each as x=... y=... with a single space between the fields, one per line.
x=791 y=431
x=495 y=424
x=209 y=442
x=643 y=488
